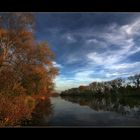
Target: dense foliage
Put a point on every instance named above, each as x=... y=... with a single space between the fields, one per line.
x=26 y=67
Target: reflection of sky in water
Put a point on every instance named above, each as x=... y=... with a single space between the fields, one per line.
x=68 y=113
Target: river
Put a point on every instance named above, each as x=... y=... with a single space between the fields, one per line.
x=77 y=111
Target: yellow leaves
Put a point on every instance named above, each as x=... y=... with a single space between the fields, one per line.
x=30 y=102
x=6 y=119
x=28 y=68
x=14 y=110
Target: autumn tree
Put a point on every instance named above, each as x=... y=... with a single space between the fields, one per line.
x=82 y=88
x=25 y=64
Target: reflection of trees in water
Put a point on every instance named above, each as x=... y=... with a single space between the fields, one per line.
x=41 y=114
x=124 y=105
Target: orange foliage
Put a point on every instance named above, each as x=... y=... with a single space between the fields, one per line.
x=15 y=110
x=29 y=62
x=82 y=88
x=26 y=66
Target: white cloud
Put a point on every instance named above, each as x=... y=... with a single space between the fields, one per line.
x=125 y=66
x=69 y=38
x=118 y=43
x=113 y=59
x=95 y=43
x=132 y=29
x=84 y=76
x=63 y=83
x=79 y=78
x=89 y=41
x=72 y=58
x=95 y=57
x=115 y=74
x=55 y=64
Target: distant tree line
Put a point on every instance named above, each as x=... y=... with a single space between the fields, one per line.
x=125 y=86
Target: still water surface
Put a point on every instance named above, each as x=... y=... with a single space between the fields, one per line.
x=75 y=111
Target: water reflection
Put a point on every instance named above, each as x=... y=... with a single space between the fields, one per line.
x=41 y=114
x=126 y=106
x=86 y=111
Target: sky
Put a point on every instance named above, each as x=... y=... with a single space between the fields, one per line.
x=91 y=46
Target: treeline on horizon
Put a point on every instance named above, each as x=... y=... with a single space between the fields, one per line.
x=121 y=86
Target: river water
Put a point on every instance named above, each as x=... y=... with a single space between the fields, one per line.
x=77 y=111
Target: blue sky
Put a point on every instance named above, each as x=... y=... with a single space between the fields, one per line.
x=91 y=46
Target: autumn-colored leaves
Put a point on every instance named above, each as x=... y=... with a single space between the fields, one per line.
x=25 y=65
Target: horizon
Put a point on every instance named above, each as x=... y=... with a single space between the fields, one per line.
x=91 y=46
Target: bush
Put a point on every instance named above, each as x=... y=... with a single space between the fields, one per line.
x=15 y=110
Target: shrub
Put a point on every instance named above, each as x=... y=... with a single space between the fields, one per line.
x=15 y=110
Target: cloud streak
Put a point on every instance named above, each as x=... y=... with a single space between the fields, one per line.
x=55 y=64
x=104 y=48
